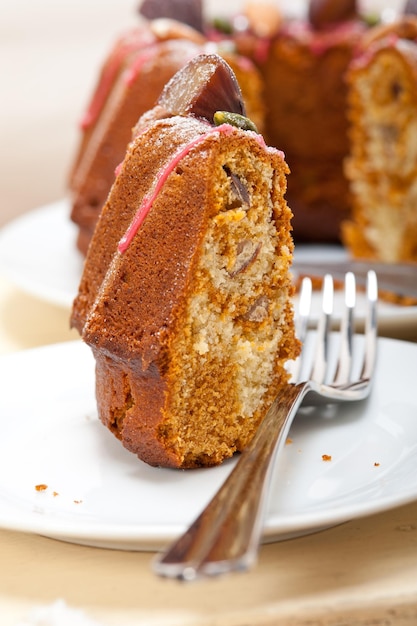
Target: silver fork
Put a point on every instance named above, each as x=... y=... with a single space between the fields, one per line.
x=225 y=537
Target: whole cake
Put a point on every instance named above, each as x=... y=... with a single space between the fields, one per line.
x=291 y=72
x=185 y=297
x=382 y=165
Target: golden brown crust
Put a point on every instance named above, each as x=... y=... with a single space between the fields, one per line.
x=119 y=388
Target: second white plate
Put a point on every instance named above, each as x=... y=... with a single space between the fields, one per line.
x=39 y=255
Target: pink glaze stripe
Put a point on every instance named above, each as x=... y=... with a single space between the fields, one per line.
x=149 y=199
x=261 y=52
x=134 y=41
x=134 y=71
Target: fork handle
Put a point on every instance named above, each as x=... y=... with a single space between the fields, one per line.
x=226 y=535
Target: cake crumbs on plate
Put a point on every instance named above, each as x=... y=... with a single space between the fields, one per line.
x=41 y=487
x=326 y=457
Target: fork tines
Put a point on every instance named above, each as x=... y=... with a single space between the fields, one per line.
x=321 y=368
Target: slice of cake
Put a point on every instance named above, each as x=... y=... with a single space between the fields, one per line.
x=185 y=297
x=382 y=166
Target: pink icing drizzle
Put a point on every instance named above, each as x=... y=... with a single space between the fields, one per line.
x=363 y=57
x=149 y=199
x=117 y=170
x=319 y=42
x=261 y=51
x=134 y=40
x=134 y=71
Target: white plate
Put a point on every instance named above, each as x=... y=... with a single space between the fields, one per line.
x=100 y=494
x=38 y=253
x=391 y=317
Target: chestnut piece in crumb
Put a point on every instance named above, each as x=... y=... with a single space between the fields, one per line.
x=324 y=13
x=239 y=191
x=203 y=87
x=258 y=312
x=246 y=254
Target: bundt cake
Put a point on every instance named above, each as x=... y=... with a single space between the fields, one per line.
x=297 y=88
x=185 y=298
x=382 y=165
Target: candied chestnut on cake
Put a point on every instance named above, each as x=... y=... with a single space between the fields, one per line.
x=185 y=298
x=185 y=11
x=326 y=13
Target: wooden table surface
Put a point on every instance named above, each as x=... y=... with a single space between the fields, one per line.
x=360 y=573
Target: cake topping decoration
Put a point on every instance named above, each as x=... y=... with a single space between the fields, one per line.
x=324 y=13
x=234 y=119
x=224 y=25
x=204 y=86
x=186 y=11
x=264 y=18
x=410 y=7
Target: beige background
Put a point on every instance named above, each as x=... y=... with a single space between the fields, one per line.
x=50 y=53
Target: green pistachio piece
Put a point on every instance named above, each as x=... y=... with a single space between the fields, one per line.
x=223 y=25
x=371 y=19
x=234 y=119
